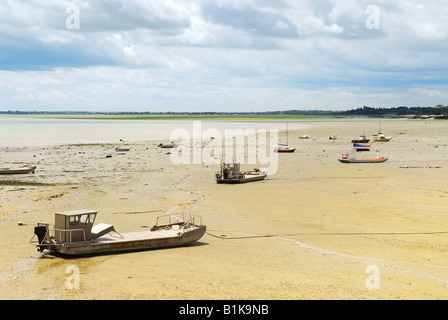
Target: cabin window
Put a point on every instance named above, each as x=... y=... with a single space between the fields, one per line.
x=92 y=218
x=84 y=219
x=74 y=220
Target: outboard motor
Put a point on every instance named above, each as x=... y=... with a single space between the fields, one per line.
x=40 y=232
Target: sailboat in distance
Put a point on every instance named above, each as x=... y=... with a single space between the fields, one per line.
x=285 y=148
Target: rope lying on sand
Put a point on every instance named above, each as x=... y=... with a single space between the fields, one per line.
x=326 y=234
x=136 y=212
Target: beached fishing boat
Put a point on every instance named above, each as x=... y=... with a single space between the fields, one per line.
x=333 y=137
x=21 y=170
x=361 y=147
x=361 y=139
x=350 y=157
x=74 y=234
x=304 y=136
x=381 y=138
x=230 y=173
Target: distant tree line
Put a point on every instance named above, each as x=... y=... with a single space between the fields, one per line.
x=439 y=110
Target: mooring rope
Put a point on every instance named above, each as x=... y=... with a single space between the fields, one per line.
x=326 y=234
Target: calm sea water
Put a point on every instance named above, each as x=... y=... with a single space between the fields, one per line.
x=23 y=131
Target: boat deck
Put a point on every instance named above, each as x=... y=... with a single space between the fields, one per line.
x=137 y=236
x=133 y=241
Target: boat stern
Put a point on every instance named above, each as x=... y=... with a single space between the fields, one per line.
x=42 y=232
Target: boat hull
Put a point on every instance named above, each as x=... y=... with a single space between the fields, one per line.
x=285 y=150
x=167 y=146
x=381 y=138
x=23 y=170
x=373 y=160
x=360 y=140
x=360 y=147
x=134 y=241
x=242 y=180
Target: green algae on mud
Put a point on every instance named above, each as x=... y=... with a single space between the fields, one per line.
x=25 y=183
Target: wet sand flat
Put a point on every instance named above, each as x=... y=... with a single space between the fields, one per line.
x=316 y=229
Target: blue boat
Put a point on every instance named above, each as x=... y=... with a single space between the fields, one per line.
x=361 y=147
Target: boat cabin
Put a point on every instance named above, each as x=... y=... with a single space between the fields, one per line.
x=230 y=171
x=77 y=225
x=349 y=155
x=73 y=226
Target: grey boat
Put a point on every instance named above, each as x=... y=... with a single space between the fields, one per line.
x=74 y=234
x=21 y=170
x=169 y=145
x=230 y=173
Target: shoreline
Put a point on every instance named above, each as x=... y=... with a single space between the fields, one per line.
x=81 y=131
x=235 y=117
x=308 y=232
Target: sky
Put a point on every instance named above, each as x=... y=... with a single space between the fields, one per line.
x=222 y=55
